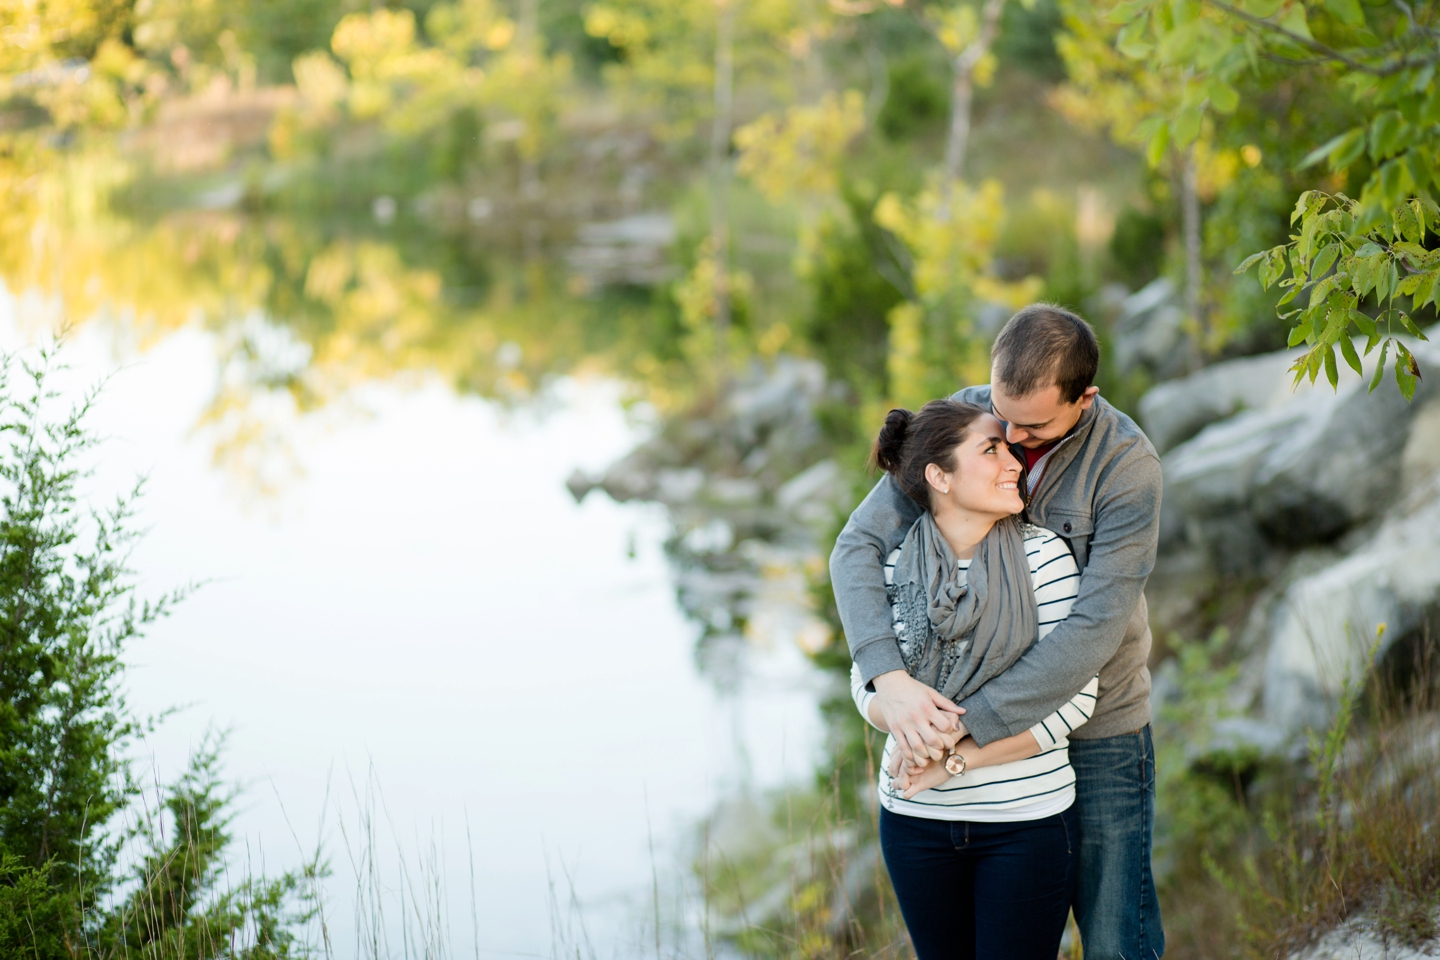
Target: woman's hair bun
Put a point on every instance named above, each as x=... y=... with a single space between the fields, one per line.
x=891 y=442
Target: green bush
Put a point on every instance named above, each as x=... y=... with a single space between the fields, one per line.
x=68 y=609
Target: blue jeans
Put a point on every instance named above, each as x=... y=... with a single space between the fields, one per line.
x=982 y=891
x=1115 y=902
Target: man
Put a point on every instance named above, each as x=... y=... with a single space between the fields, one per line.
x=1094 y=479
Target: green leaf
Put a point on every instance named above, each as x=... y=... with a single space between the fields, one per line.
x=1293 y=20
x=1128 y=10
x=1331 y=146
x=1418 y=209
x=1260 y=8
x=1421 y=170
x=1301 y=333
x=1301 y=205
x=1273 y=268
x=1386 y=132
x=1331 y=373
x=1407 y=371
x=1347 y=12
x=1407 y=224
x=1424 y=290
x=1394 y=181
x=1362 y=274
x=1347 y=347
x=1312 y=364
x=1379 y=368
x=1408 y=284
x=1409 y=325
x=1132 y=41
x=1223 y=97
x=1186 y=126
x=1384 y=279
x=1250 y=261
x=1352 y=149
x=1366 y=325
x=1289 y=295
x=1325 y=259
x=1159 y=141
x=1430 y=112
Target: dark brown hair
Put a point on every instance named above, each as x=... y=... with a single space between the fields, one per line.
x=1045 y=344
x=909 y=442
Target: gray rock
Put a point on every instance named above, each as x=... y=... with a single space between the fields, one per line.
x=1358 y=939
x=1341 y=466
x=1326 y=623
x=1209 y=482
x=1176 y=410
x=1300 y=468
x=1150 y=332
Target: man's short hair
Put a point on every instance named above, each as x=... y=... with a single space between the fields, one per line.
x=1045 y=344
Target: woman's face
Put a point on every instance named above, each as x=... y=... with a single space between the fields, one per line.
x=986 y=479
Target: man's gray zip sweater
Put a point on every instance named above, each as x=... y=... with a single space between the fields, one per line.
x=1100 y=490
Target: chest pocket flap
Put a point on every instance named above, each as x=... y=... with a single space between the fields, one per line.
x=1076 y=529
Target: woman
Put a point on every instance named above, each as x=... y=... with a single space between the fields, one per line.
x=981 y=848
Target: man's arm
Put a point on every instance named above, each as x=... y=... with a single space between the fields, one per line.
x=1122 y=554
x=915 y=713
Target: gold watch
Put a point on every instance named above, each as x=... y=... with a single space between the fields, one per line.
x=955 y=764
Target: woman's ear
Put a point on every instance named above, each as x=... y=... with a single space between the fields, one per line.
x=936 y=477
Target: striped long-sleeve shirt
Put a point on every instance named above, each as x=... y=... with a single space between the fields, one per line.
x=1028 y=789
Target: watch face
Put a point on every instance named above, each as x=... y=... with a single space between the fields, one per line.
x=955 y=764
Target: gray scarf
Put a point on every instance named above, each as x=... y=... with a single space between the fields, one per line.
x=961 y=635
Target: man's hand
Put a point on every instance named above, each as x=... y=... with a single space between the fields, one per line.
x=924 y=723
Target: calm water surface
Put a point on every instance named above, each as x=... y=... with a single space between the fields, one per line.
x=418 y=625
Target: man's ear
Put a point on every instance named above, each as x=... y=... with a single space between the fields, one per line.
x=1088 y=397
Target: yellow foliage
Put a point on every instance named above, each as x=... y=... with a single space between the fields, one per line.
x=669 y=47
x=933 y=347
x=955 y=27
x=799 y=150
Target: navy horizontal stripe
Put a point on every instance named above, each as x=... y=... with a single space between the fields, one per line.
x=1063 y=764
x=984 y=803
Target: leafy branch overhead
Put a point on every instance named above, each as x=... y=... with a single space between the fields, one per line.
x=1384 y=59
x=1338 y=268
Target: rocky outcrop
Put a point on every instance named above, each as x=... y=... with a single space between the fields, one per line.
x=1331 y=500
x=1176 y=410
x=1149 y=332
x=748 y=484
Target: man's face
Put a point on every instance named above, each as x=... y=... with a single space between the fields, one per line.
x=1038 y=418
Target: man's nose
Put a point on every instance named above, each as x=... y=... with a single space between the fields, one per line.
x=1014 y=434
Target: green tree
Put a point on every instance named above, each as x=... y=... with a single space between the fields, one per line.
x=1353 y=263
x=68 y=609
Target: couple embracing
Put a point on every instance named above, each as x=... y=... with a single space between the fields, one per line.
x=991 y=587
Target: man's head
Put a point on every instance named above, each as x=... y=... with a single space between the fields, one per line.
x=1042 y=367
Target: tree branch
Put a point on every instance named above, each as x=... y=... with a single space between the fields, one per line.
x=1310 y=44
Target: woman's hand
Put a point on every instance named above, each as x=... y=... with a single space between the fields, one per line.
x=913 y=780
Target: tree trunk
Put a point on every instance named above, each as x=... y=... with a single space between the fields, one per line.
x=962 y=92
x=720 y=159
x=1190 y=221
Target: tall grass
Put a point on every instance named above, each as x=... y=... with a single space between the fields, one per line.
x=1287 y=849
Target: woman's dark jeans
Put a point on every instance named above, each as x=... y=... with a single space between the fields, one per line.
x=983 y=891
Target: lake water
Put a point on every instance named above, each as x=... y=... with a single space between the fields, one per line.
x=418 y=625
